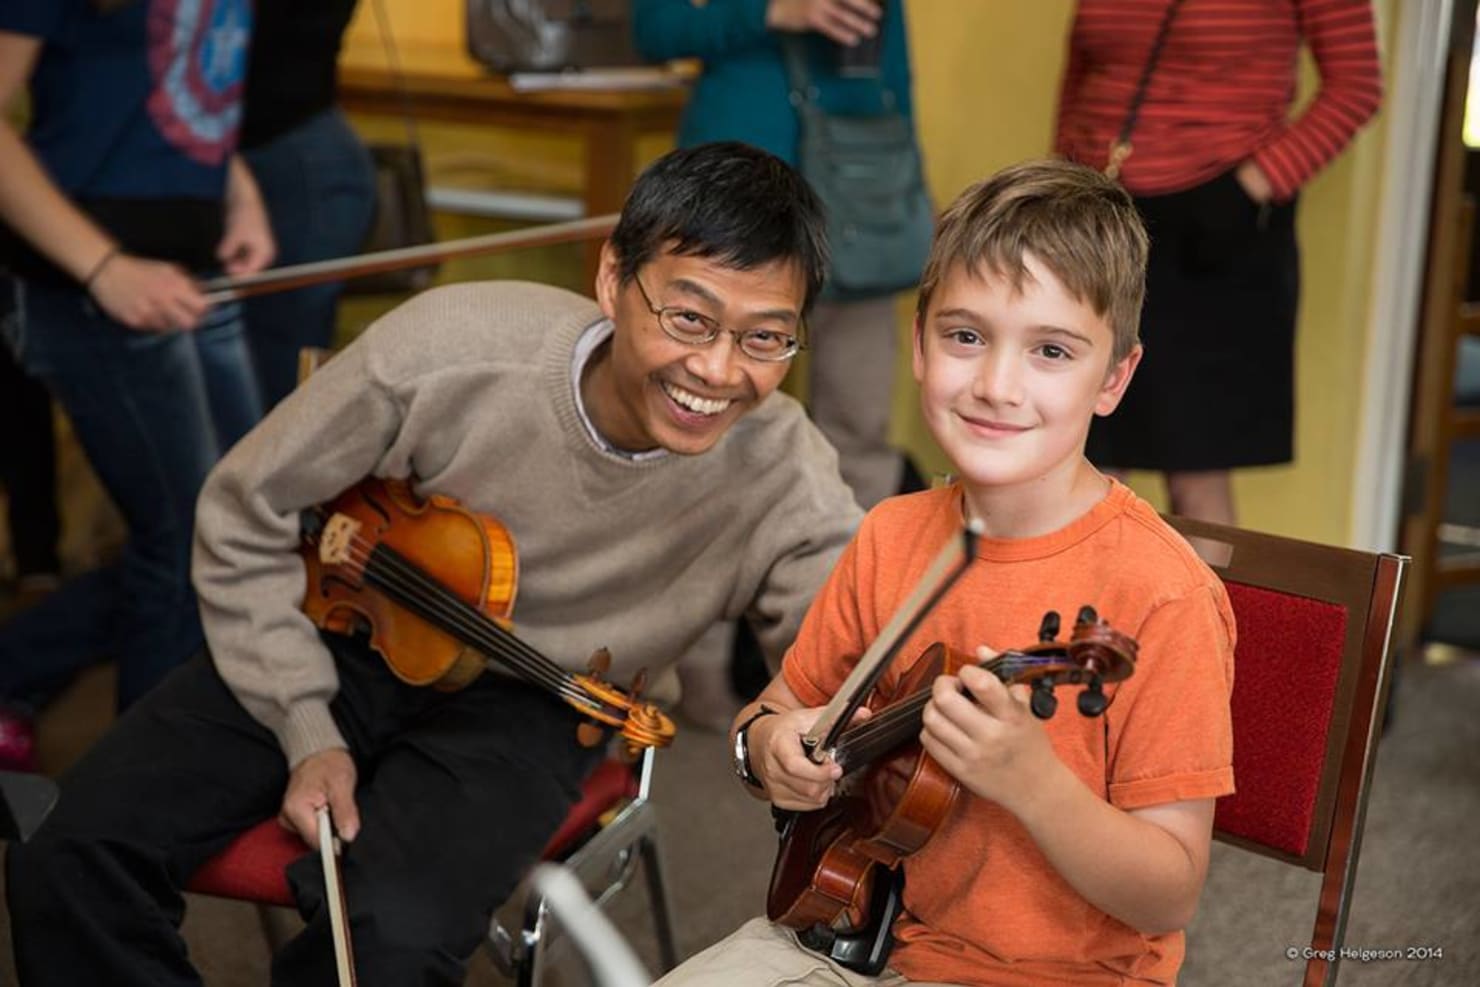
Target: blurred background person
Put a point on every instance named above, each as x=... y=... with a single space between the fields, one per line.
x=123 y=189
x=314 y=173
x=743 y=94
x=1216 y=164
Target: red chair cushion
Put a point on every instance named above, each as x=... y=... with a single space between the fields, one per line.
x=252 y=867
x=1286 y=667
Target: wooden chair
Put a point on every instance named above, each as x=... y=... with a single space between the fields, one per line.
x=605 y=837
x=1310 y=683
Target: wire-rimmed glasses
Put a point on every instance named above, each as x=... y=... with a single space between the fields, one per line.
x=692 y=328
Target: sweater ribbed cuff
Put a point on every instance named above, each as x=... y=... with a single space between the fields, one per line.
x=307 y=729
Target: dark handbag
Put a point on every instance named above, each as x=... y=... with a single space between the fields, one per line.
x=402 y=219
x=547 y=35
x=866 y=170
x=402 y=216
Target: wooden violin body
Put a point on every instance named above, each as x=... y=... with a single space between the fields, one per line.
x=434 y=584
x=473 y=555
x=828 y=859
x=894 y=796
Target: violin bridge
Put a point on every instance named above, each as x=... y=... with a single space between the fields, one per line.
x=337 y=538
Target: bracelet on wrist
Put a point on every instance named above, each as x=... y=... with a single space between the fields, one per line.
x=97 y=268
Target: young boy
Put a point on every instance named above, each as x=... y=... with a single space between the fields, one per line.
x=1079 y=846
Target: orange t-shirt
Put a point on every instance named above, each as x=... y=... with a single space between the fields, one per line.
x=983 y=905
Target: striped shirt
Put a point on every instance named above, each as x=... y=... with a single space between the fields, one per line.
x=1222 y=89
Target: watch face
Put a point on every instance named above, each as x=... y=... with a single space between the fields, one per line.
x=740 y=757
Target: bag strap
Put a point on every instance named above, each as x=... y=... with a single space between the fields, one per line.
x=803 y=92
x=393 y=65
x=1120 y=147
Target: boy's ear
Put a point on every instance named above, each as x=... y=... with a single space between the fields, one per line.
x=608 y=281
x=918 y=350
x=1116 y=381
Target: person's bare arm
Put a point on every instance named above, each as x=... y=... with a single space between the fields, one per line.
x=246 y=244
x=140 y=293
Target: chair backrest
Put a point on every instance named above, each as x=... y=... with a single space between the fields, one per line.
x=1310 y=685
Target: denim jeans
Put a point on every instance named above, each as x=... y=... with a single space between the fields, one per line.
x=319 y=187
x=153 y=411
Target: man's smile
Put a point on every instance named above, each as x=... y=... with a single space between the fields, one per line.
x=696 y=403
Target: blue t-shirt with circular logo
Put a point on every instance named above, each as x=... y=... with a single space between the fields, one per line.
x=140 y=102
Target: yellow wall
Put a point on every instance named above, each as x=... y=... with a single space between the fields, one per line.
x=986 y=79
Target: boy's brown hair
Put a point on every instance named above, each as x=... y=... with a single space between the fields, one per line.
x=1081 y=225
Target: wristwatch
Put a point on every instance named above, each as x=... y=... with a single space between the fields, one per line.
x=741 y=753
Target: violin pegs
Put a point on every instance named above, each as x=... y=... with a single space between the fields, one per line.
x=639 y=683
x=1087 y=615
x=1043 y=702
x=600 y=662
x=1048 y=629
x=1092 y=701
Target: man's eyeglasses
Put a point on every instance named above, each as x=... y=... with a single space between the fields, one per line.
x=696 y=329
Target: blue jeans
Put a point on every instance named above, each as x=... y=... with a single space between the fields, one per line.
x=153 y=412
x=319 y=187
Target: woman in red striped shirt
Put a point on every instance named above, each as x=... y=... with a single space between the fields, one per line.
x=1216 y=163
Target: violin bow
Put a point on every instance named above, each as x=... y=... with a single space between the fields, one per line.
x=344 y=956
x=948 y=566
x=229 y=289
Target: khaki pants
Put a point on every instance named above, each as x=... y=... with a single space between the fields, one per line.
x=851 y=391
x=760 y=954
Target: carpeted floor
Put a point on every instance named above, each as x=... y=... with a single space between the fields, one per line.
x=1418 y=885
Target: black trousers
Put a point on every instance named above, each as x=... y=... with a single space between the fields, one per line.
x=458 y=794
x=28 y=467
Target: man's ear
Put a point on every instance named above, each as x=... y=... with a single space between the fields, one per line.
x=608 y=280
x=1117 y=380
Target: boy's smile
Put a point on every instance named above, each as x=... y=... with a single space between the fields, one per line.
x=1009 y=381
x=647 y=390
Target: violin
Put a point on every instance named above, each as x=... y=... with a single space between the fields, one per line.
x=434 y=583
x=893 y=796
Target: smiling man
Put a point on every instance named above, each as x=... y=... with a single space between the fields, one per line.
x=654 y=483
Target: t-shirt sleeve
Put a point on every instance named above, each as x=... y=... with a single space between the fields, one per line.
x=1171 y=736
x=833 y=634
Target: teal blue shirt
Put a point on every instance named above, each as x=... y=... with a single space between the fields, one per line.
x=743 y=93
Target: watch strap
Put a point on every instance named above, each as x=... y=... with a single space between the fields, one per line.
x=742 y=747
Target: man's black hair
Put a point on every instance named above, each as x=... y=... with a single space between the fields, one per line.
x=726 y=201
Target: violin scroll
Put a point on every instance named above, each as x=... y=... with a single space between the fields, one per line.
x=1095 y=654
x=640 y=724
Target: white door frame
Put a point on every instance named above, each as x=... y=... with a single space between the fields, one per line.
x=1415 y=97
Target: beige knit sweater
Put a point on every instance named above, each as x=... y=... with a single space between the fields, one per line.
x=469 y=388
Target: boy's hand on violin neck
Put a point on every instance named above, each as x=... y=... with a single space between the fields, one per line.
x=985 y=736
x=778 y=759
x=325 y=778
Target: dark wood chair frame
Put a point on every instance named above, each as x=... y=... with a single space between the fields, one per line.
x=1367 y=586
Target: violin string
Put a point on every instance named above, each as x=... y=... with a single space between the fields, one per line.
x=887 y=729
x=462 y=616
x=487 y=635
x=434 y=595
